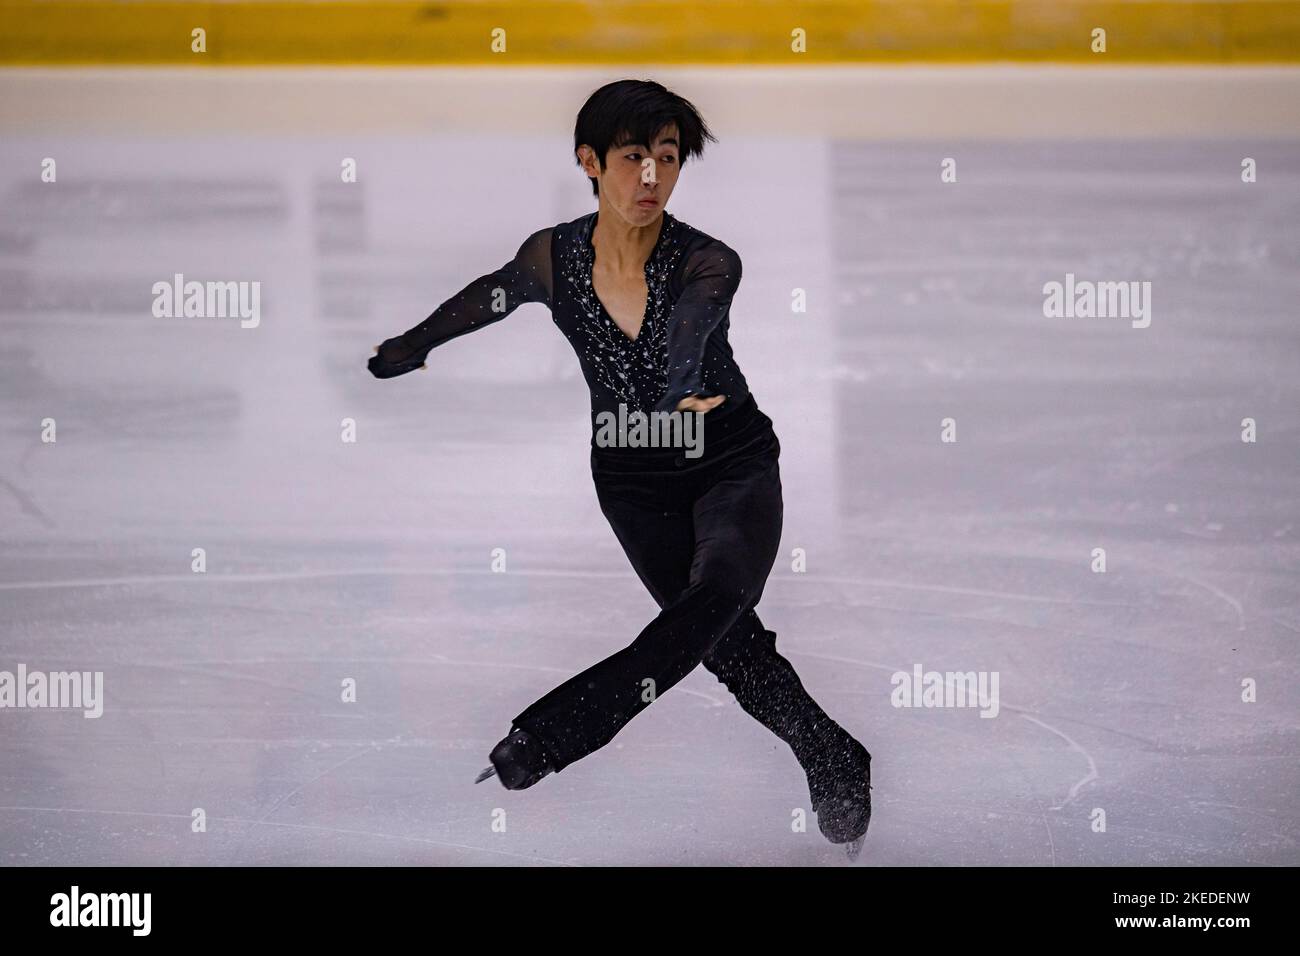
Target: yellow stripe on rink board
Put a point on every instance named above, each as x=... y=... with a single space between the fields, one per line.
x=653 y=32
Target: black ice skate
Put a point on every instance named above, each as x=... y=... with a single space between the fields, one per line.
x=840 y=786
x=519 y=761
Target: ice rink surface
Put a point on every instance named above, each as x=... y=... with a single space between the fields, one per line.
x=371 y=561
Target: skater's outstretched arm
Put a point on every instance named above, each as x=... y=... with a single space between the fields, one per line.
x=711 y=278
x=489 y=298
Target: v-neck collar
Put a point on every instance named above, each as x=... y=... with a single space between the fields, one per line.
x=665 y=226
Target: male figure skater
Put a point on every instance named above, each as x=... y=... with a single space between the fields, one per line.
x=644 y=299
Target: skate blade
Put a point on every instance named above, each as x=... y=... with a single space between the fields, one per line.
x=485 y=774
x=853 y=849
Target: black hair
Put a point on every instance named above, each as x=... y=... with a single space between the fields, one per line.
x=629 y=112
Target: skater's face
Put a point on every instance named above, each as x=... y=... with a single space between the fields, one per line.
x=638 y=178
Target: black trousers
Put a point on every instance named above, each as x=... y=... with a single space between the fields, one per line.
x=702 y=534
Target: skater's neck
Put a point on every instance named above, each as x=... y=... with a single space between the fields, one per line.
x=623 y=246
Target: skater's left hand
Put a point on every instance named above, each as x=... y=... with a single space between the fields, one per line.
x=694 y=403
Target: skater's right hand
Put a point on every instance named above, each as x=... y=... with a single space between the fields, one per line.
x=393 y=358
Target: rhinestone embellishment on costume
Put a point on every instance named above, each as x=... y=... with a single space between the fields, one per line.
x=634 y=370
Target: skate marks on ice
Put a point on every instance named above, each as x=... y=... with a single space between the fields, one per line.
x=263 y=859
x=1074 y=789
x=1150 y=727
x=463 y=690
x=192 y=580
x=657 y=759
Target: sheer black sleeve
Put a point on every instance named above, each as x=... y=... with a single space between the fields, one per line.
x=711 y=278
x=489 y=298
